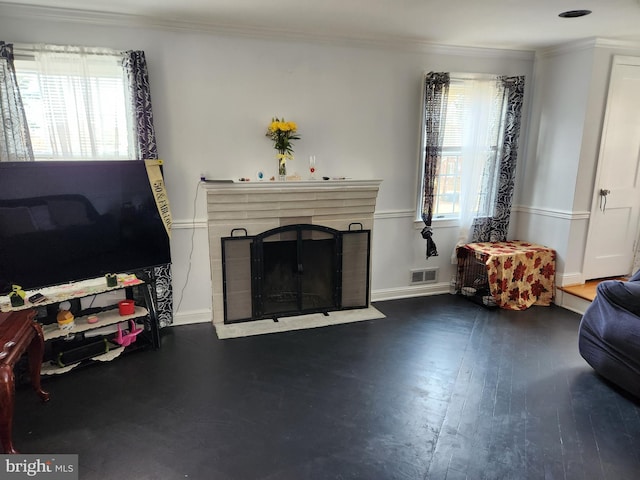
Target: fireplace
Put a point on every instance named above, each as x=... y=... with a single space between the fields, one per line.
x=248 y=211
x=293 y=270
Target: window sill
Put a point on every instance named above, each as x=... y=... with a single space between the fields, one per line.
x=438 y=223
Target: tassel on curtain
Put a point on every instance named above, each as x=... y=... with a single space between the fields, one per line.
x=135 y=67
x=436 y=93
x=14 y=131
x=496 y=228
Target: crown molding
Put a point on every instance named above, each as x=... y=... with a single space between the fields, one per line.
x=36 y=12
x=99 y=18
x=588 y=44
x=618 y=44
x=569 y=47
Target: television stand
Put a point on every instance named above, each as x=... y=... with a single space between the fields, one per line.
x=93 y=340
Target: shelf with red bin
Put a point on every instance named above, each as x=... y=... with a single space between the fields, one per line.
x=104 y=324
x=111 y=317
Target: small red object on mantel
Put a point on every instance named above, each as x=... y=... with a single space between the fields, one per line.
x=126 y=307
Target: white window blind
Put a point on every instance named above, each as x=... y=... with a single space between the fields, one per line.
x=76 y=104
x=447 y=184
x=456 y=109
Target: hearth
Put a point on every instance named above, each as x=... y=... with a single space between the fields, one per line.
x=293 y=270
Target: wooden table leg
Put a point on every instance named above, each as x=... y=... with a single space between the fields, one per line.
x=18 y=333
x=35 y=352
x=7 y=392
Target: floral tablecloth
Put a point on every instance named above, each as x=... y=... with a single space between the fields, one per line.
x=520 y=274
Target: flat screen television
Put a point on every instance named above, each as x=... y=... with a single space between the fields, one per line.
x=69 y=221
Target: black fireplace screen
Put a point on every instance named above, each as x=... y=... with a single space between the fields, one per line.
x=293 y=270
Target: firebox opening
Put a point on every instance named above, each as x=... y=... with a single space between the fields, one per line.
x=298 y=278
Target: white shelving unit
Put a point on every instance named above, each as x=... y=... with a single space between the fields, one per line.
x=107 y=318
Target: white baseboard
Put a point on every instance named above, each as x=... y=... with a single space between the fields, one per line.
x=571 y=302
x=562 y=299
x=566 y=279
x=193 y=316
x=205 y=316
x=409 y=291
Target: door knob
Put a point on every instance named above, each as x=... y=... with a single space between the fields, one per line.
x=603 y=198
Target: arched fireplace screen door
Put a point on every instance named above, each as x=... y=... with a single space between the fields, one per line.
x=294 y=270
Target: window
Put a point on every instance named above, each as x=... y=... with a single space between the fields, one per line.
x=447 y=184
x=469 y=150
x=76 y=104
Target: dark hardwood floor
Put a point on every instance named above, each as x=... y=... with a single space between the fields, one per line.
x=440 y=389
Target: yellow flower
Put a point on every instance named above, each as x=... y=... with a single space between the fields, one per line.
x=282 y=133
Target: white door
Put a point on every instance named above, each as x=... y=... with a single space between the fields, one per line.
x=613 y=226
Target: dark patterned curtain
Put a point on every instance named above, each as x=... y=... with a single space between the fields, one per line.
x=135 y=66
x=496 y=227
x=435 y=98
x=14 y=132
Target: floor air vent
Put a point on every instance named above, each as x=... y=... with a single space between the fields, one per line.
x=424 y=276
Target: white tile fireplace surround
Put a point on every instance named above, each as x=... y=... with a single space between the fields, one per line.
x=261 y=206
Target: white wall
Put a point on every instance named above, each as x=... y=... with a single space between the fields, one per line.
x=556 y=190
x=561 y=93
x=561 y=90
x=357 y=107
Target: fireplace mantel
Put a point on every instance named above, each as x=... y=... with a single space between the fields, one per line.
x=307 y=185
x=261 y=206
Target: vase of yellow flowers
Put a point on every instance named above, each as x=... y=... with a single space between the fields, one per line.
x=282 y=133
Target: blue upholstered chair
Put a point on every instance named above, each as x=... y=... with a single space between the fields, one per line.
x=609 y=334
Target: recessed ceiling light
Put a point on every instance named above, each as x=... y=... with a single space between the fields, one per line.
x=574 y=13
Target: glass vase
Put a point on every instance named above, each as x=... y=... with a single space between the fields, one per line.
x=282 y=169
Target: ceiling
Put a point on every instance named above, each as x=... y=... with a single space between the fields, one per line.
x=513 y=24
